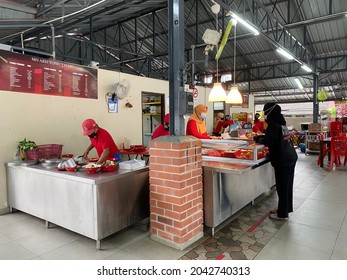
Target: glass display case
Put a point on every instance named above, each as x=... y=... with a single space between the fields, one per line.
x=233 y=151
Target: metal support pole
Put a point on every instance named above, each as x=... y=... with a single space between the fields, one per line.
x=176 y=64
x=193 y=66
x=53 y=41
x=315 y=100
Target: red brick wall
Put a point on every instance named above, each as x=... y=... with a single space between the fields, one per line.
x=175 y=179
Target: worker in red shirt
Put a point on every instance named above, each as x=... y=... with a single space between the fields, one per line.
x=196 y=124
x=101 y=140
x=163 y=129
x=258 y=124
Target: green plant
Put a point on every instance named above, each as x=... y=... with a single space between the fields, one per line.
x=26 y=145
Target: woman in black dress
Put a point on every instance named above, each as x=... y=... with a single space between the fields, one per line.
x=283 y=158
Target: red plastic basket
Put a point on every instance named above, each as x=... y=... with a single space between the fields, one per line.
x=45 y=151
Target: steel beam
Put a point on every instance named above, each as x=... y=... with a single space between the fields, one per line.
x=176 y=62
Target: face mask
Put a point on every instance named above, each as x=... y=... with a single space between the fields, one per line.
x=92 y=135
x=203 y=115
x=269 y=110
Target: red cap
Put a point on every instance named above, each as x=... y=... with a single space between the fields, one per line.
x=167 y=118
x=88 y=126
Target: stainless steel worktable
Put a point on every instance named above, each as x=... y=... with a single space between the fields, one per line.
x=229 y=186
x=94 y=205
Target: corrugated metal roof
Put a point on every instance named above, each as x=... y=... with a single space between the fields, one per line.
x=139 y=26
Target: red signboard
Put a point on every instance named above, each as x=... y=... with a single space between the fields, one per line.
x=25 y=73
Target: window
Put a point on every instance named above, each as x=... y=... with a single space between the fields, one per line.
x=226 y=78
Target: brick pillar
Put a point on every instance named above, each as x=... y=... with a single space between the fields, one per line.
x=175 y=177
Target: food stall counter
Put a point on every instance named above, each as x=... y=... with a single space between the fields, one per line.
x=94 y=205
x=231 y=183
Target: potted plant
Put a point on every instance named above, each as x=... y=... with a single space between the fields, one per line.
x=25 y=145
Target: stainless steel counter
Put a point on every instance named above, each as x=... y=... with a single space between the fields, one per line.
x=94 y=205
x=228 y=187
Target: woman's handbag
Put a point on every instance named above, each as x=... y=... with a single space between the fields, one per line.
x=288 y=153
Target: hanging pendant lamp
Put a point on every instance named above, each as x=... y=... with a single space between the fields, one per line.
x=234 y=96
x=217 y=94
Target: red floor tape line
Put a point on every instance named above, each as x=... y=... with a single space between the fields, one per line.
x=220 y=257
x=258 y=222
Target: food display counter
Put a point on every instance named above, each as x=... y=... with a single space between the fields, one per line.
x=230 y=183
x=94 y=205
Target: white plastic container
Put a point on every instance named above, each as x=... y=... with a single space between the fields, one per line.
x=126 y=143
x=132 y=164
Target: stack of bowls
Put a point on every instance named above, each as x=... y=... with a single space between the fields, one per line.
x=70 y=165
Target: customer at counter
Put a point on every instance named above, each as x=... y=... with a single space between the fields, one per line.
x=283 y=158
x=101 y=140
x=196 y=124
x=163 y=129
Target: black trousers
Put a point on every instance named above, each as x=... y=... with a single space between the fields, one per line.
x=284 y=177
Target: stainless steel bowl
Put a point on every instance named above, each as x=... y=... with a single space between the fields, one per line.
x=70 y=163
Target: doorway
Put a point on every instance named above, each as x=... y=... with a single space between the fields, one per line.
x=153 y=112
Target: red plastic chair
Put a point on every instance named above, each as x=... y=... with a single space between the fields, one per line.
x=338 y=149
x=326 y=149
x=335 y=128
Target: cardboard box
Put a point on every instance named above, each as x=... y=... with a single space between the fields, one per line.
x=314 y=127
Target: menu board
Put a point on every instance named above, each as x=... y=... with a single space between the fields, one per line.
x=29 y=74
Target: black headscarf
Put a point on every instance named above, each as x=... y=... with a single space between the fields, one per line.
x=272 y=111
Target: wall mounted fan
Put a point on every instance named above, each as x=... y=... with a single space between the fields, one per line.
x=121 y=89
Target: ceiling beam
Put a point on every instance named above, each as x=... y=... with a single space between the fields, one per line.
x=51 y=7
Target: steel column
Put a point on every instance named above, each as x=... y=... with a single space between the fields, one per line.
x=176 y=63
x=315 y=101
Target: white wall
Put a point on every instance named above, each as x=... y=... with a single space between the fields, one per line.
x=250 y=108
x=57 y=120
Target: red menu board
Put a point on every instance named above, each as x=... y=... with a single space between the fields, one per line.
x=25 y=73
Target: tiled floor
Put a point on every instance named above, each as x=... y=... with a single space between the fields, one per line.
x=317 y=229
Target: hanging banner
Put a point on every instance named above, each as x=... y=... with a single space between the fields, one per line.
x=29 y=74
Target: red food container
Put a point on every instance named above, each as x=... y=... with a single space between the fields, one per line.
x=92 y=159
x=109 y=167
x=91 y=169
x=71 y=169
x=215 y=153
x=230 y=154
x=137 y=148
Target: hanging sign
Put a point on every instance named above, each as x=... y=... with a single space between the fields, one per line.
x=29 y=74
x=195 y=93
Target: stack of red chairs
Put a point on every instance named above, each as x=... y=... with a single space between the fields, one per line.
x=338 y=149
x=335 y=129
x=326 y=149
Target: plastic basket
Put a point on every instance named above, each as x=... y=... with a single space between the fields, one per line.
x=45 y=152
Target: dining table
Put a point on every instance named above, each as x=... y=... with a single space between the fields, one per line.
x=136 y=153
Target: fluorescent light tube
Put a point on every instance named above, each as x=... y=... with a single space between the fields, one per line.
x=246 y=24
x=285 y=53
x=298 y=83
x=306 y=68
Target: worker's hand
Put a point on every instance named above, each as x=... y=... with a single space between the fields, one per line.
x=216 y=137
x=85 y=155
